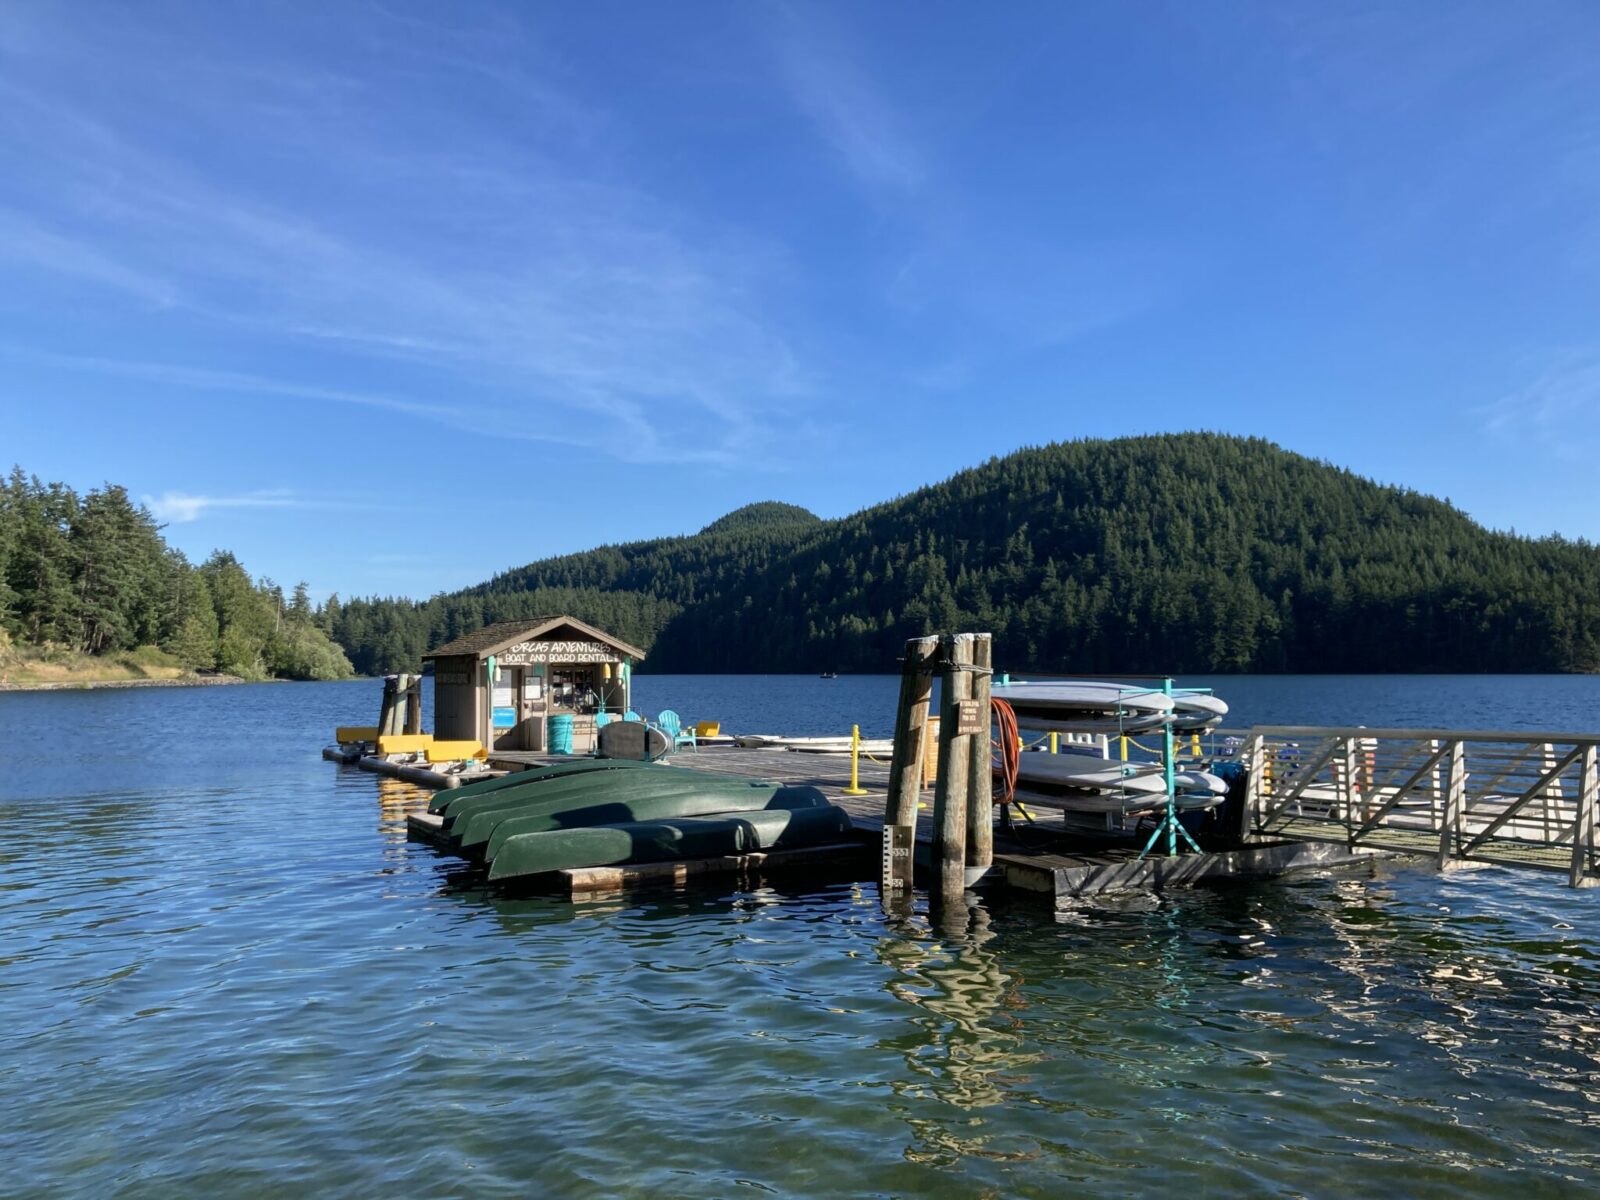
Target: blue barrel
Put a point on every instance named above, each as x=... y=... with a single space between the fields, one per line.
x=561 y=733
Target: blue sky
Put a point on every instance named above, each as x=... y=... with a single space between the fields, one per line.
x=390 y=297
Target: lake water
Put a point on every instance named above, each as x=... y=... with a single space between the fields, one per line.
x=227 y=972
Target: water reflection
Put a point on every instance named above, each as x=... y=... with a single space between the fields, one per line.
x=963 y=1042
x=219 y=979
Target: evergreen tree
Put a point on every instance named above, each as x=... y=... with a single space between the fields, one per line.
x=1179 y=553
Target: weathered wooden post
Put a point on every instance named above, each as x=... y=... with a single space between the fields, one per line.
x=1584 y=828
x=957 y=718
x=980 y=768
x=1455 y=805
x=1254 y=757
x=413 y=689
x=905 y=765
x=395 y=712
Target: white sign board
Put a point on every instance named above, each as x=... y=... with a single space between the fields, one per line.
x=525 y=653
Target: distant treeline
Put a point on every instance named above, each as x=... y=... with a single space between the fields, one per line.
x=92 y=573
x=1182 y=553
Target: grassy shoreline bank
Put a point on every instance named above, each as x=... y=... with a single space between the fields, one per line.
x=30 y=669
x=97 y=684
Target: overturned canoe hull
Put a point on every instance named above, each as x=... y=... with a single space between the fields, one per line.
x=587 y=783
x=532 y=854
x=472 y=828
x=522 y=778
x=666 y=807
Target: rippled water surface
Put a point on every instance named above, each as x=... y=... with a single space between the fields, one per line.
x=226 y=972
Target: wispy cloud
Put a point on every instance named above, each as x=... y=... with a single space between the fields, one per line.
x=26 y=242
x=183 y=507
x=828 y=83
x=212 y=379
x=551 y=300
x=1560 y=408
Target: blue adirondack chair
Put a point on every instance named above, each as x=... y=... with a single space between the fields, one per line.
x=672 y=725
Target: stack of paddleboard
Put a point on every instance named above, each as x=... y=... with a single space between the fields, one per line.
x=1093 y=784
x=1087 y=783
x=1082 y=706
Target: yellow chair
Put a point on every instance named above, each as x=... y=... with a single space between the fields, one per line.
x=708 y=729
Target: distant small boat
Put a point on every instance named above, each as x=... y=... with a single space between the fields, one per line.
x=830 y=675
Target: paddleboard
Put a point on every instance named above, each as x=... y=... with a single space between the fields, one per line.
x=1084 y=696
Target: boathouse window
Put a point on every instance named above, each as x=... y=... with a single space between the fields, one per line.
x=573 y=689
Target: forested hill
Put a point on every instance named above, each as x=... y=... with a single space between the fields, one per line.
x=1179 y=553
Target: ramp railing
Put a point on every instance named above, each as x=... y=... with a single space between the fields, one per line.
x=1512 y=799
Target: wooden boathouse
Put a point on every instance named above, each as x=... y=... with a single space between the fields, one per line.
x=512 y=684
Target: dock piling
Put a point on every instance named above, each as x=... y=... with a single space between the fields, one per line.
x=980 y=769
x=956 y=721
x=905 y=764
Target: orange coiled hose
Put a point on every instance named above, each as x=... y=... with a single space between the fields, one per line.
x=1007 y=749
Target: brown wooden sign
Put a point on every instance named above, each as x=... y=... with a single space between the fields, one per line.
x=969 y=718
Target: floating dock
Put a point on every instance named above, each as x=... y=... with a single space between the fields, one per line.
x=1294 y=798
x=1040 y=861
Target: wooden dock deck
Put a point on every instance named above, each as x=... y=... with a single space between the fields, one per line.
x=1042 y=861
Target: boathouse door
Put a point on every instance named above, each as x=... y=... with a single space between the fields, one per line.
x=505 y=699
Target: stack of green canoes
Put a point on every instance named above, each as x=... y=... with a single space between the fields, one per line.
x=603 y=812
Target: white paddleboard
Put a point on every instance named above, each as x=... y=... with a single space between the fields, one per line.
x=1104 y=774
x=1084 y=696
x=1080 y=770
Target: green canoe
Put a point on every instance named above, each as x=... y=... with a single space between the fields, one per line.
x=654 y=808
x=662 y=841
x=517 y=778
x=473 y=829
x=550 y=786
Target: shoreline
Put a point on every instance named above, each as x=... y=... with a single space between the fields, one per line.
x=94 y=685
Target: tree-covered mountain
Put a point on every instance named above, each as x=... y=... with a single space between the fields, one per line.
x=764 y=514
x=1179 y=553
x=91 y=574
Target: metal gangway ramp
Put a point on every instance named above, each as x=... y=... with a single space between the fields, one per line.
x=1512 y=799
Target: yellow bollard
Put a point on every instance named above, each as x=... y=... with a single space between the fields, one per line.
x=855 y=788
x=1194 y=746
x=1124 y=742
x=1055 y=743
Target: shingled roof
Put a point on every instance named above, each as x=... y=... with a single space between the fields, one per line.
x=503 y=634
